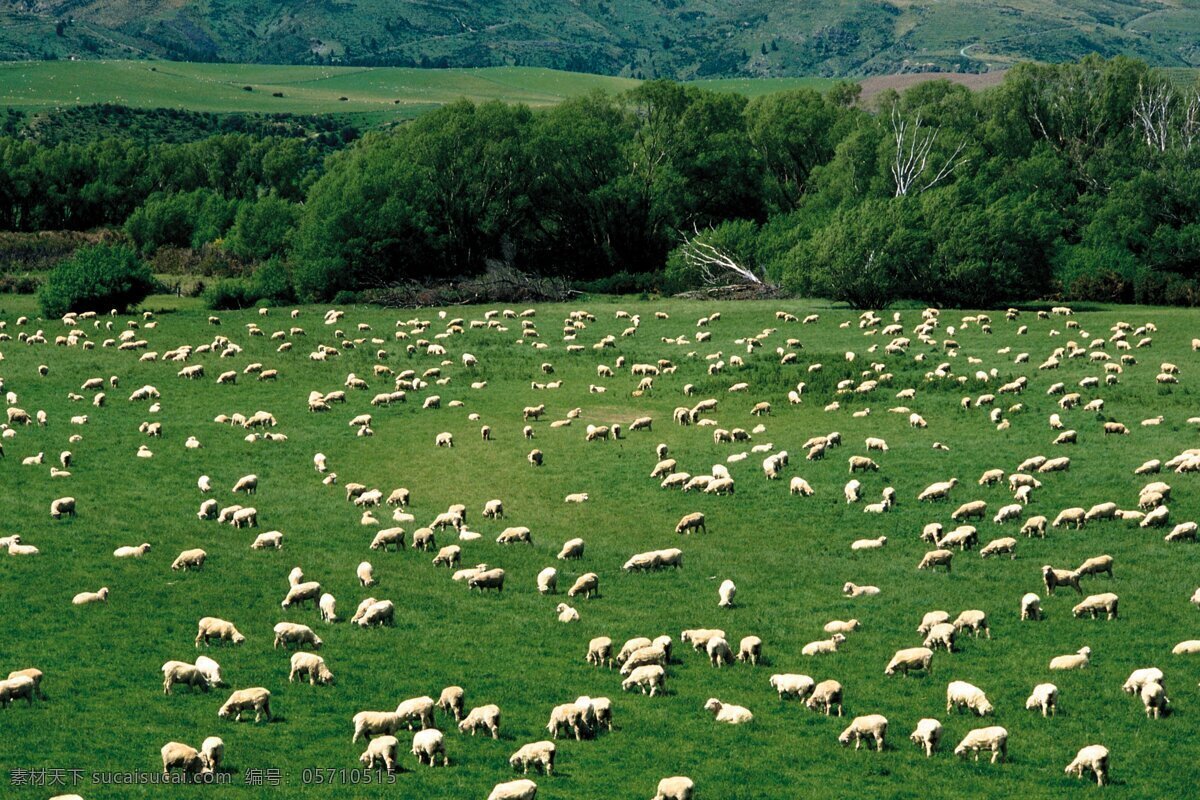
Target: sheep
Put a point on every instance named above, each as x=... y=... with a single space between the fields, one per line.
x=854 y=590
x=377 y=613
x=219 y=629
x=381 y=751
x=1077 y=660
x=302 y=593
x=862 y=464
x=852 y=491
x=416 y=709
x=571 y=716
x=566 y=613
x=1155 y=700
x=547 y=581
x=1005 y=544
x=1007 y=513
x=800 y=486
x=176 y=755
x=869 y=544
x=750 y=649
x=678 y=787
x=293 y=633
x=1094 y=759
x=366 y=574
x=375 y=723
x=1095 y=604
x=1156 y=518
x=823 y=646
x=179 y=672
x=913 y=658
x=537 y=754
x=189 y=559
x=1044 y=698
x=936 y=558
x=312 y=666
x=295 y=577
x=1095 y=566
x=600 y=651
x=718 y=651
x=514 y=790
x=792 y=685
x=1053 y=578
x=1031 y=607
x=1034 y=526
x=571 y=549
x=927 y=735
x=728 y=713
x=942 y=634
x=393 y=537
x=515 y=535
x=487 y=579
x=247 y=484
x=872 y=727
x=482 y=717
x=212 y=753
x=994 y=738
x=960 y=695
x=938 y=491
x=726 y=593
x=974 y=620
x=257 y=698
x=63 y=506
x=975 y=508
x=825 y=695
x=1184 y=531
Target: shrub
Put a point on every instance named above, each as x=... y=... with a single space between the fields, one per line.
x=228 y=294
x=96 y=278
x=623 y=282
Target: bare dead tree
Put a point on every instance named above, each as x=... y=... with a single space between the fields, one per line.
x=1152 y=112
x=1191 y=118
x=914 y=143
x=716 y=266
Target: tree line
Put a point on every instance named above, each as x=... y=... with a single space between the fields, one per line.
x=1078 y=180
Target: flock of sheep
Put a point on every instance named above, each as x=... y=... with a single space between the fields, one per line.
x=965 y=512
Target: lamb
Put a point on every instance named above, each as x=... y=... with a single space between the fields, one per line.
x=293 y=633
x=1077 y=660
x=726 y=593
x=862 y=464
x=792 y=685
x=483 y=717
x=416 y=709
x=448 y=556
x=179 y=672
x=825 y=695
x=515 y=535
x=852 y=491
x=312 y=666
x=936 y=558
x=854 y=590
x=247 y=484
x=1031 y=607
x=514 y=790
x=869 y=544
x=271 y=540
x=824 y=646
x=800 y=486
x=1053 y=578
x=301 y=593
x=913 y=658
x=1092 y=758
x=994 y=738
x=1154 y=699
x=189 y=559
x=176 y=755
x=960 y=695
x=257 y=698
x=872 y=727
x=725 y=712
x=488 y=579
x=587 y=584
x=213 y=628
x=1095 y=604
x=381 y=751
x=1034 y=526
x=927 y=735
x=975 y=508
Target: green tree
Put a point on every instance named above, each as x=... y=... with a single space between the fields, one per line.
x=262 y=228
x=96 y=278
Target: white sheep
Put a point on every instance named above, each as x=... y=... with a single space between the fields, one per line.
x=1077 y=660
x=825 y=695
x=728 y=713
x=383 y=751
x=311 y=666
x=1031 y=607
x=792 y=685
x=927 y=735
x=523 y=789
x=994 y=738
x=485 y=718
x=960 y=694
x=257 y=698
x=1094 y=759
x=678 y=787
x=868 y=728
x=823 y=646
x=726 y=592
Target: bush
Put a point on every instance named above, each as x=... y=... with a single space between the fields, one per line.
x=623 y=282
x=271 y=284
x=96 y=278
x=228 y=294
x=19 y=284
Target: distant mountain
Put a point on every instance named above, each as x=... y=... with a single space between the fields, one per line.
x=639 y=38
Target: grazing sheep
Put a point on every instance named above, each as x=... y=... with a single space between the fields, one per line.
x=726 y=593
x=587 y=584
x=1095 y=604
x=571 y=549
x=719 y=652
x=212 y=753
x=301 y=593
x=312 y=666
x=572 y=717
x=678 y=787
x=176 y=755
x=189 y=559
x=731 y=714
x=366 y=574
x=1092 y=758
x=825 y=695
x=381 y=613
x=180 y=672
x=936 y=558
x=1154 y=700
x=1031 y=607
x=994 y=738
x=547 y=581
x=515 y=535
x=257 y=698
x=943 y=634
x=872 y=727
x=975 y=621
x=1052 y=578
x=792 y=685
x=63 y=506
x=375 y=723
x=932 y=618
x=648 y=678
x=482 y=717
x=750 y=649
x=539 y=755
x=1095 y=566
x=452 y=701
x=293 y=633
x=907 y=660
x=1005 y=544
x=927 y=735
x=383 y=751
x=487 y=579
x=960 y=695
x=1044 y=698
x=1077 y=660
x=1034 y=526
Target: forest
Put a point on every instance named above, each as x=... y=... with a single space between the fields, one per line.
x=1079 y=181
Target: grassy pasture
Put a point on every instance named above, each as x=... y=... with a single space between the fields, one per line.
x=788 y=555
x=393 y=92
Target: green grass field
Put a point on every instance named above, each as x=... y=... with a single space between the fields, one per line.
x=789 y=555
x=386 y=91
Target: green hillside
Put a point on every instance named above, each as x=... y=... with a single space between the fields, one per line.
x=681 y=39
